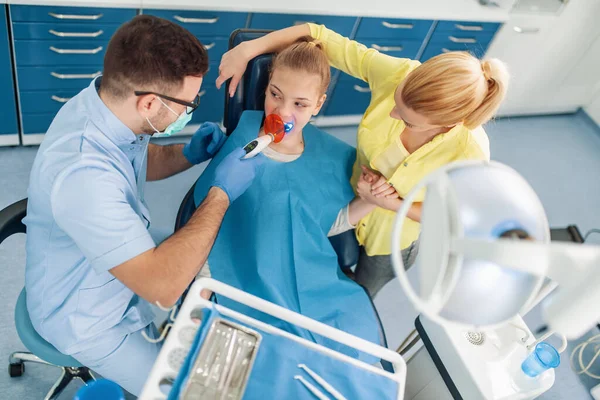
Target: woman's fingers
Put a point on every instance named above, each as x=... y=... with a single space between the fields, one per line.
x=233 y=65
x=389 y=191
x=380 y=185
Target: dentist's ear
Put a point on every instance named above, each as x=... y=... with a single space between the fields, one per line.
x=148 y=105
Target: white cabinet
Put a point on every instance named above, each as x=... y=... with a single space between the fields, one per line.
x=552 y=59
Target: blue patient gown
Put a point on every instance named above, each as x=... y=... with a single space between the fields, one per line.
x=273 y=241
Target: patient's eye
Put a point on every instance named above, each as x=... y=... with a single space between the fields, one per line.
x=301 y=105
x=274 y=94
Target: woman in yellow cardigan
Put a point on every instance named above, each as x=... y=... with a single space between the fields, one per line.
x=421 y=117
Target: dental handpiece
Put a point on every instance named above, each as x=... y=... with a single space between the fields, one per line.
x=275 y=131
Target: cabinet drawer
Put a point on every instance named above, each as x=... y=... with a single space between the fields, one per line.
x=393 y=28
x=349 y=98
x=59 y=52
x=21 y=13
x=7 y=91
x=212 y=104
x=59 y=32
x=341 y=25
x=46 y=101
x=461 y=37
x=39 y=109
x=56 y=78
x=466 y=26
x=212 y=73
x=37 y=123
x=433 y=49
x=215 y=47
x=395 y=47
x=204 y=22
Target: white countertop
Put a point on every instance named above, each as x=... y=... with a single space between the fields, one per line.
x=79 y=3
x=465 y=10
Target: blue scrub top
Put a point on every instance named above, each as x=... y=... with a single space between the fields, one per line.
x=86 y=214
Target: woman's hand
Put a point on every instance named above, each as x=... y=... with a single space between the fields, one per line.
x=233 y=65
x=379 y=185
x=365 y=192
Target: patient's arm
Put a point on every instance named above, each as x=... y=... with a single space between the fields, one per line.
x=350 y=215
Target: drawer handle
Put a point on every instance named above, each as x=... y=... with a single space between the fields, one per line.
x=76 y=34
x=445 y=50
x=387 y=48
x=60 y=99
x=209 y=46
x=397 y=26
x=73 y=16
x=361 y=89
x=461 y=40
x=518 y=29
x=196 y=20
x=75 y=76
x=472 y=28
x=77 y=51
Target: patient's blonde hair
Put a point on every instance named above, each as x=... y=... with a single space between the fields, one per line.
x=306 y=54
x=456 y=87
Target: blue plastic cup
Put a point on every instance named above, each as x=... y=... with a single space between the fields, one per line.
x=543 y=357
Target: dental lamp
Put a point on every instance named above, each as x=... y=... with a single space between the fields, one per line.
x=485 y=254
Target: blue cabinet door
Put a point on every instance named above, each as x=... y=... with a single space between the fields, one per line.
x=56 y=77
x=212 y=105
x=350 y=97
x=204 y=23
x=341 y=25
x=393 y=28
x=57 y=31
x=474 y=37
x=37 y=52
x=7 y=88
x=61 y=14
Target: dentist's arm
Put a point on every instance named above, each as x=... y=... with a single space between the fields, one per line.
x=161 y=274
x=167 y=160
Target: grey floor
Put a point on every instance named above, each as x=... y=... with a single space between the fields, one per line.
x=558 y=155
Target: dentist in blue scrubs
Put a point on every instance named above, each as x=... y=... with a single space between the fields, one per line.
x=93 y=268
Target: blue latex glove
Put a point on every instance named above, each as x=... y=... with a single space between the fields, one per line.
x=235 y=175
x=205 y=143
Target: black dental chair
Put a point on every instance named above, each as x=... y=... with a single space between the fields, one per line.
x=250 y=95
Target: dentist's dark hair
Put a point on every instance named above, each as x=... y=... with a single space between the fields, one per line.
x=151 y=53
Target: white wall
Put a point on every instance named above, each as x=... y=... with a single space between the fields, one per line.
x=593 y=109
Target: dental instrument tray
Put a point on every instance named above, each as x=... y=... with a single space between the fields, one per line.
x=213 y=352
x=223 y=364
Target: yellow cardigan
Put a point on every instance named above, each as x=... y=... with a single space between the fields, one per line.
x=377 y=130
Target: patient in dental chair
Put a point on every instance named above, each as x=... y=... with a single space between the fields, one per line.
x=273 y=242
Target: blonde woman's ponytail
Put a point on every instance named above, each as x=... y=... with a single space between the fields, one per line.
x=496 y=76
x=456 y=87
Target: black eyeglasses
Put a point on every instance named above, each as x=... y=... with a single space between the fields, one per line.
x=191 y=106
